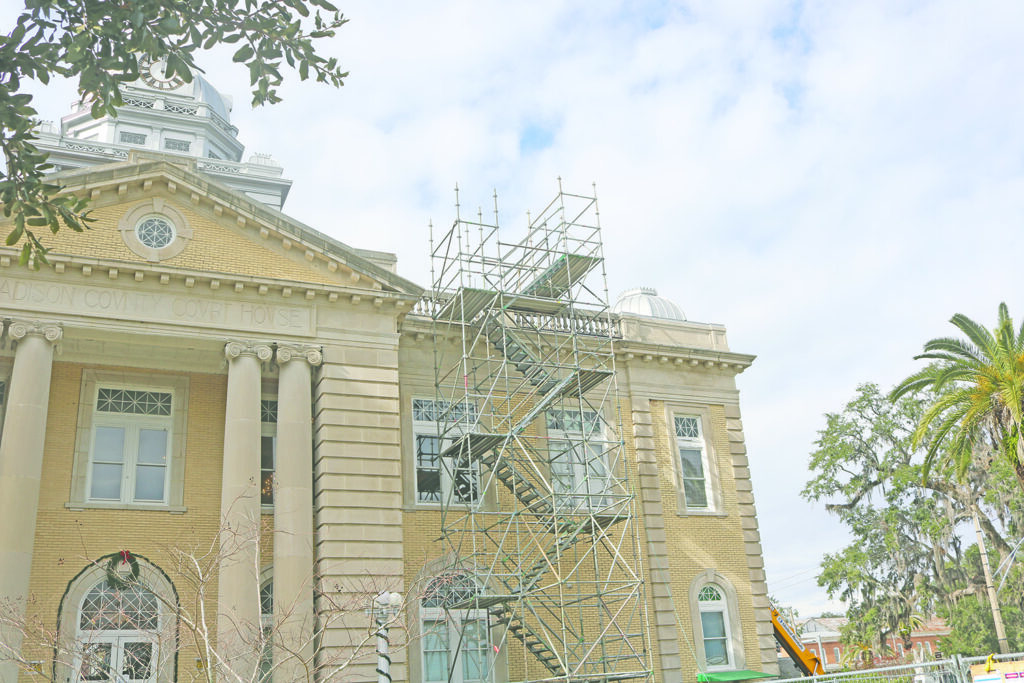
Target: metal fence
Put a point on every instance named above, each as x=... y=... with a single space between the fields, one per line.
x=954 y=670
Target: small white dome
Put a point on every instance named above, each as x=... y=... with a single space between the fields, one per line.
x=203 y=91
x=646 y=302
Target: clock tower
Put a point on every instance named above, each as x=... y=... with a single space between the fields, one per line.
x=154 y=74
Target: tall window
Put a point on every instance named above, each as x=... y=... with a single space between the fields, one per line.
x=579 y=469
x=714 y=622
x=455 y=643
x=268 y=449
x=692 y=458
x=118 y=634
x=131 y=445
x=436 y=425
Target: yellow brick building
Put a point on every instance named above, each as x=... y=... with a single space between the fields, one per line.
x=225 y=433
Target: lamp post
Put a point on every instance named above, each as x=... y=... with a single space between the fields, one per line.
x=386 y=605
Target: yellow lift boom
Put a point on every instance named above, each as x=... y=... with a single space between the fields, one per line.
x=804 y=659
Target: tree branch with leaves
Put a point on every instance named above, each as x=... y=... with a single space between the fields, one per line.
x=101 y=44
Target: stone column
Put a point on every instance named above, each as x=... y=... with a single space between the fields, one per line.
x=238 y=604
x=21 y=466
x=293 y=514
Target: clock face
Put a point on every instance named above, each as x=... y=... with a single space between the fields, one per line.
x=154 y=76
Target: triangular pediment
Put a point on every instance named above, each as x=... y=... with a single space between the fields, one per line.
x=209 y=229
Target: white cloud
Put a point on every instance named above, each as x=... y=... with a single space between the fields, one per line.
x=830 y=180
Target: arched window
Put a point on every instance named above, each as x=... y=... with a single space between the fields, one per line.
x=122 y=631
x=118 y=630
x=715 y=613
x=455 y=644
x=714 y=623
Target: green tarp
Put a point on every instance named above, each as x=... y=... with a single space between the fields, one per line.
x=740 y=675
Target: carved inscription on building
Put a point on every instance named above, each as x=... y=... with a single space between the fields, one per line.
x=53 y=297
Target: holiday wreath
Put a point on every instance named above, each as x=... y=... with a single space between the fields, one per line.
x=114 y=576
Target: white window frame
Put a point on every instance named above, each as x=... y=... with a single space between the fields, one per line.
x=712 y=486
x=588 y=488
x=80 y=496
x=132 y=426
x=164 y=637
x=721 y=607
x=450 y=624
x=731 y=617
x=422 y=428
x=268 y=429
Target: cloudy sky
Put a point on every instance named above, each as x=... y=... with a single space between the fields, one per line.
x=831 y=180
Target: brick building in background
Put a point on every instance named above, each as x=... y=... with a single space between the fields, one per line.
x=821 y=635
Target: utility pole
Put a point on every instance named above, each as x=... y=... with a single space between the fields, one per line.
x=997 y=615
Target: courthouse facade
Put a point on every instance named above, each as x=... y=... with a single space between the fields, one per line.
x=220 y=441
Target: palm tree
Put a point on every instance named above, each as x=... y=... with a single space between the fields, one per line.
x=978 y=388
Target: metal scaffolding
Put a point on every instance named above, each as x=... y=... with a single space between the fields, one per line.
x=539 y=506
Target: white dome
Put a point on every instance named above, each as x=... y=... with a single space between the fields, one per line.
x=646 y=302
x=204 y=92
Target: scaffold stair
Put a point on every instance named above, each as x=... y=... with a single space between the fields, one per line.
x=520 y=486
x=579 y=381
x=531 y=640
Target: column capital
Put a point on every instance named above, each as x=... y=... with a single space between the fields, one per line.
x=51 y=332
x=234 y=349
x=307 y=352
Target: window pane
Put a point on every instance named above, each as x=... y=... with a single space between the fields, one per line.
x=696 y=494
x=106 y=482
x=716 y=652
x=427 y=448
x=687 y=427
x=268 y=444
x=693 y=464
x=267 y=598
x=474 y=651
x=108 y=446
x=267 y=488
x=268 y=411
x=267 y=452
x=133 y=402
x=267 y=656
x=96 y=662
x=138 y=658
x=153 y=446
x=428 y=469
x=464 y=482
x=149 y=482
x=428 y=485
x=435 y=651
x=450 y=588
x=107 y=608
x=423 y=410
x=709 y=594
x=713 y=624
